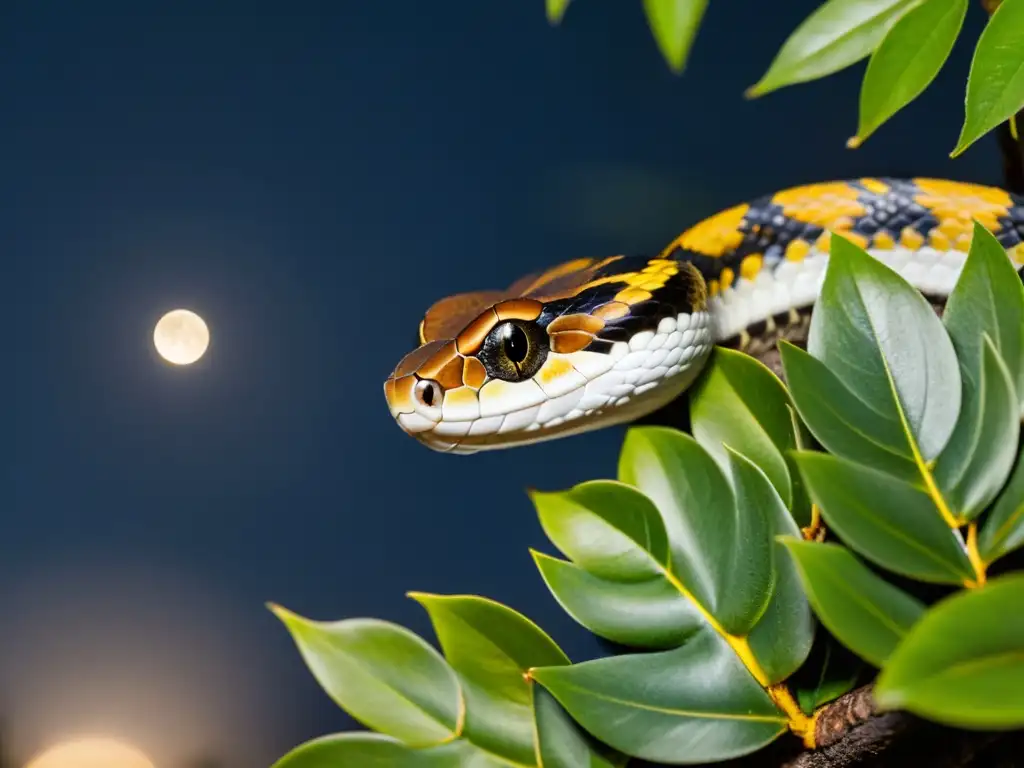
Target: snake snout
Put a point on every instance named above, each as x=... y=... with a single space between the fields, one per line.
x=414 y=402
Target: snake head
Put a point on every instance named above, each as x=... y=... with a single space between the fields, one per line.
x=494 y=370
x=448 y=390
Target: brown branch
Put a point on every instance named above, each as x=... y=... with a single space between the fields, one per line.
x=896 y=739
x=855 y=736
x=835 y=721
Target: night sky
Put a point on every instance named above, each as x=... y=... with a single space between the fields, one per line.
x=310 y=181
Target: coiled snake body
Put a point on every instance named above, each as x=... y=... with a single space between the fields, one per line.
x=600 y=341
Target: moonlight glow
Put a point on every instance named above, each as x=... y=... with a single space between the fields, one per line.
x=181 y=337
x=92 y=753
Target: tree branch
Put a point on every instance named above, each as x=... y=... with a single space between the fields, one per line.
x=856 y=739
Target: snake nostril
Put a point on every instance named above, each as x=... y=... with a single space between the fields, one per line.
x=428 y=393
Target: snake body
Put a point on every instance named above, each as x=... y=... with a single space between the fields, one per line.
x=601 y=341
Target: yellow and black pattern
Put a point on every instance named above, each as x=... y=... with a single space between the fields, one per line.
x=875 y=213
x=628 y=296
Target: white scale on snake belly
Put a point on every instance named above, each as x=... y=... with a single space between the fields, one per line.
x=787 y=285
x=649 y=358
x=627 y=371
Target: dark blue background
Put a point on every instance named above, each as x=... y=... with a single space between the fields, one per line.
x=310 y=181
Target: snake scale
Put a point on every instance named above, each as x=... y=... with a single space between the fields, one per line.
x=601 y=341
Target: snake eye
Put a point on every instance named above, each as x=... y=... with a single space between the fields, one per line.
x=428 y=393
x=515 y=344
x=514 y=350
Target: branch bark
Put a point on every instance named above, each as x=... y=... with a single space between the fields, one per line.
x=888 y=740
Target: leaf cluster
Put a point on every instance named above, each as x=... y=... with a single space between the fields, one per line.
x=896 y=438
x=906 y=42
x=921 y=476
x=473 y=707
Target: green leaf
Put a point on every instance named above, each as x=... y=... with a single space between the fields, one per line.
x=1003 y=530
x=610 y=529
x=674 y=24
x=488 y=642
x=864 y=612
x=975 y=464
x=556 y=10
x=988 y=298
x=749 y=586
x=801 y=506
x=492 y=647
x=840 y=420
x=692 y=704
x=963 y=663
x=620 y=586
x=373 y=750
x=879 y=335
x=907 y=60
x=834 y=680
x=995 y=84
x=641 y=614
x=383 y=675
x=739 y=402
x=721 y=553
x=888 y=521
x=722 y=542
x=838 y=34
x=560 y=742
x=782 y=638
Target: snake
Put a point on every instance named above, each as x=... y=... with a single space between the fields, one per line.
x=595 y=342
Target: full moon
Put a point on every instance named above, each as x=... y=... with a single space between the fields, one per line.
x=181 y=337
x=91 y=753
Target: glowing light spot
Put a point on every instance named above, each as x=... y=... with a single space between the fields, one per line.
x=181 y=337
x=92 y=753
